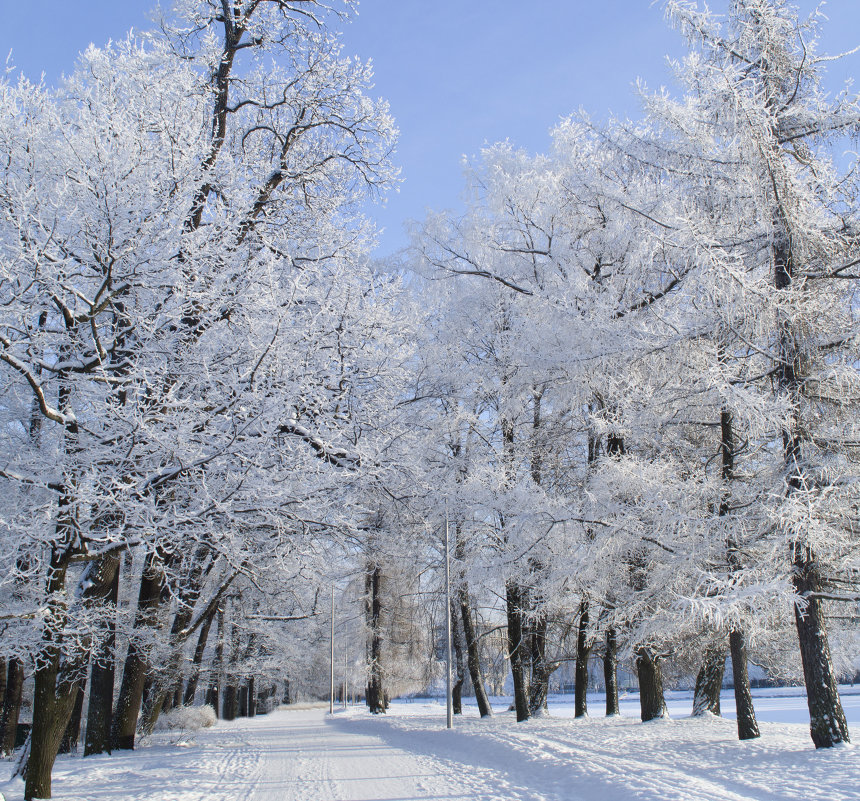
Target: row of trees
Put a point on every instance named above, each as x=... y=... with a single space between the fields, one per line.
x=197 y=360
x=644 y=365
x=627 y=372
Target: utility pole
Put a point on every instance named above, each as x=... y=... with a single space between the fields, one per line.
x=346 y=673
x=331 y=694
x=449 y=700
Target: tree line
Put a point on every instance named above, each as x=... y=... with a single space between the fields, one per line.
x=627 y=371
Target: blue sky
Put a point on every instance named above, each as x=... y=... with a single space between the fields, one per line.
x=457 y=74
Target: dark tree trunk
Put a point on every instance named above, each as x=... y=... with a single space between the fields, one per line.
x=213 y=698
x=517 y=648
x=470 y=634
x=252 y=697
x=52 y=706
x=136 y=668
x=457 y=696
x=11 y=705
x=102 y=676
x=243 y=701
x=213 y=694
x=610 y=673
x=197 y=660
x=53 y=698
x=709 y=681
x=164 y=681
x=747 y=726
x=827 y=724
x=72 y=734
x=651 y=699
x=459 y=661
x=583 y=651
x=473 y=654
x=4 y=677
x=541 y=669
x=376 y=697
x=231 y=702
x=55 y=689
x=100 y=709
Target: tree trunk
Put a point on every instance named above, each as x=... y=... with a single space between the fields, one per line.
x=165 y=680
x=102 y=675
x=583 y=651
x=473 y=653
x=213 y=694
x=747 y=726
x=231 y=702
x=136 y=668
x=72 y=734
x=4 y=677
x=541 y=669
x=651 y=699
x=243 y=701
x=517 y=648
x=52 y=706
x=459 y=661
x=53 y=698
x=826 y=716
x=610 y=673
x=709 y=681
x=11 y=705
x=252 y=697
x=376 y=697
x=197 y=660
x=827 y=724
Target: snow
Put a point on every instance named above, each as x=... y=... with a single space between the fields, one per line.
x=306 y=754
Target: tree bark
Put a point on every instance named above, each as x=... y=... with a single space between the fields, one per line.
x=72 y=734
x=459 y=661
x=651 y=699
x=213 y=694
x=747 y=726
x=375 y=695
x=827 y=724
x=517 y=648
x=541 y=669
x=53 y=698
x=197 y=659
x=231 y=702
x=473 y=653
x=4 y=677
x=252 y=697
x=610 y=673
x=165 y=681
x=709 y=681
x=102 y=675
x=11 y=705
x=136 y=668
x=583 y=651
x=243 y=701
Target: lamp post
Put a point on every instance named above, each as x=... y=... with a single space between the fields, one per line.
x=449 y=700
x=331 y=693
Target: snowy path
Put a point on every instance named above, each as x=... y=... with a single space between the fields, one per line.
x=305 y=756
x=408 y=755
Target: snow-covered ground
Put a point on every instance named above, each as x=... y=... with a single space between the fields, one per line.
x=351 y=756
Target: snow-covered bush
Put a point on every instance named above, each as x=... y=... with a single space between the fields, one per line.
x=187 y=718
